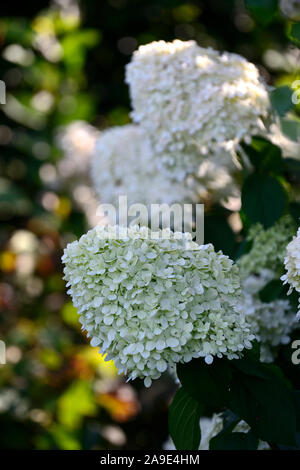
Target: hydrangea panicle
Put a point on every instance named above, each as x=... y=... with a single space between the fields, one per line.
x=268 y=247
x=292 y=266
x=194 y=102
x=123 y=164
x=152 y=302
x=77 y=141
x=272 y=322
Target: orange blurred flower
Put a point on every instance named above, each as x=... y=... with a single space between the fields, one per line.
x=119 y=409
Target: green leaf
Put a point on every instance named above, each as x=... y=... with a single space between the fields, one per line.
x=227 y=439
x=184 y=421
x=271 y=291
x=291 y=128
x=209 y=384
x=252 y=354
x=294 y=32
x=292 y=168
x=64 y=438
x=234 y=441
x=281 y=99
x=251 y=366
x=263 y=199
x=297 y=404
x=242 y=248
x=264 y=155
x=295 y=212
x=266 y=404
x=230 y=420
x=75 y=403
x=262 y=10
x=218 y=232
x=75 y=46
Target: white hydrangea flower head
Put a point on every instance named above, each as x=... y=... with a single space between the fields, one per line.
x=292 y=265
x=123 y=165
x=194 y=102
x=272 y=322
x=268 y=247
x=152 y=302
x=210 y=427
x=77 y=141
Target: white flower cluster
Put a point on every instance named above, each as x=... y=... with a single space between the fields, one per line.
x=123 y=164
x=292 y=265
x=271 y=322
x=152 y=302
x=268 y=247
x=291 y=9
x=77 y=141
x=194 y=102
x=210 y=427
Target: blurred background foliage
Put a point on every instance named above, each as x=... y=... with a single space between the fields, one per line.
x=63 y=62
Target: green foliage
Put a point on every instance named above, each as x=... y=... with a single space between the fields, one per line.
x=257 y=393
x=218 y=232
x=205 y=383
x=255 y=397
x=271 y=291
x=281 y=100
x=263 y=199
x=230 y=439
x=184 y=416
x=295 y=210
x=75 y=46
x=262 y=10
x=264 y=156
x=291 y=128
x=234 y=441
x=292 y=167
x=294 y=32
x=63 y=438
x=76 y=402
x=297 y=404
